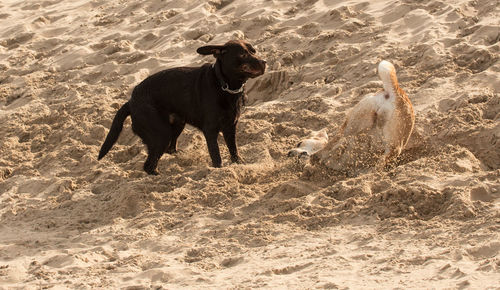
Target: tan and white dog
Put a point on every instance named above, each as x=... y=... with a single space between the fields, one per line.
x=388 y=114
x=316 y=141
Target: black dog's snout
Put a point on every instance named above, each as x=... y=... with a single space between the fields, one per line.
x=263 y=64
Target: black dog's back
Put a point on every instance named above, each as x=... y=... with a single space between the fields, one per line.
x=175 y=91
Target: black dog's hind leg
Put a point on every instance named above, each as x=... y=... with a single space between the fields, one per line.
x=155 y=151
x=155 y=133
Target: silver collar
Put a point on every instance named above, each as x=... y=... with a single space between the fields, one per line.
x=226 y=88
x=224 y=85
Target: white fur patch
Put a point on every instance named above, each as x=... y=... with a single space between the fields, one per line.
x=315 y=142
x=387 y=74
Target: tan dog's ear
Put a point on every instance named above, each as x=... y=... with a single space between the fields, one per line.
x=216 y=50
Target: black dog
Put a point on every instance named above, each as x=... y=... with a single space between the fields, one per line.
x=208 y=97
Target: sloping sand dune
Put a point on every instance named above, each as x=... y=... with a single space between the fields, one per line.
x=68 y=221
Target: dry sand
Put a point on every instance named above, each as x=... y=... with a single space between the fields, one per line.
x=69 y=221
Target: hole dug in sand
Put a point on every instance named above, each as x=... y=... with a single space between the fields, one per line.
x=481 y=193
x=268 y=87
x=347 y=156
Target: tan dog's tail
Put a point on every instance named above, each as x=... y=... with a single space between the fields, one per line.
x=387 y=74
x=406 y=117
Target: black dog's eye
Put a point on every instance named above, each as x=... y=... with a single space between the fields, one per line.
x=251 y=49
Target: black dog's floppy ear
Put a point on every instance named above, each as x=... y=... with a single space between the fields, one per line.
x=211 y=49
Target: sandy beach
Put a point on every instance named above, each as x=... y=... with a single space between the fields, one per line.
x=68 y=221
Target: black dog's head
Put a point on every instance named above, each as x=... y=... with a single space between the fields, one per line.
x=237 y=59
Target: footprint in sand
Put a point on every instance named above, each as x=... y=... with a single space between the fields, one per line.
x=488 y=250
x=17 y=40
x=59 y=261
x=291 y=269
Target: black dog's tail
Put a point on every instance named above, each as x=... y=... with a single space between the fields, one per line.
x=116 y=128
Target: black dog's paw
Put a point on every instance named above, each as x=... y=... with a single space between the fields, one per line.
x=150 y=169
x=153 y=172
x=171 y=151
x=237 y=159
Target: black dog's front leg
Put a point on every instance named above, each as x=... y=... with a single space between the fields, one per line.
x=213 y=147
x=230 y=137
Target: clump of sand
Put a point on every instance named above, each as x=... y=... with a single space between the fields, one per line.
x=430 y=220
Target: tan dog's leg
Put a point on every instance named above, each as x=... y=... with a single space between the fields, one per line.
x=391 y=152
x=362 y=117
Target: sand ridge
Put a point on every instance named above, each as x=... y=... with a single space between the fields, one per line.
x=69 y=221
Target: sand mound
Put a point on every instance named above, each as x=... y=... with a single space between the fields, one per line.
x=429 y=221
